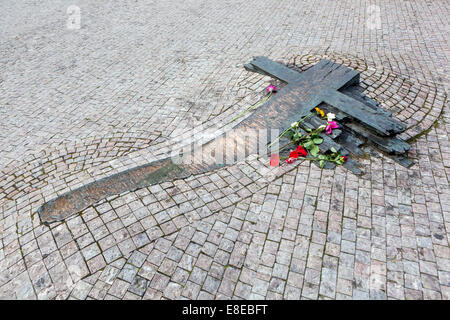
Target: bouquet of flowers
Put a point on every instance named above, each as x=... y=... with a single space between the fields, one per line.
x=307 y=144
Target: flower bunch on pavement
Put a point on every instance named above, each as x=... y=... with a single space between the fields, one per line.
x=308 y=140
x=297 y=153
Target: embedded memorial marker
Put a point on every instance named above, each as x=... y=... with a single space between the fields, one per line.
x=326 y=85
x=320 y=84
x=329 y=85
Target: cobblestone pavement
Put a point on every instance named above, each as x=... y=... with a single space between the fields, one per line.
x=80 y=105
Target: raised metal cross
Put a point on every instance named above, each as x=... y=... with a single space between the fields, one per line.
x=321 y=83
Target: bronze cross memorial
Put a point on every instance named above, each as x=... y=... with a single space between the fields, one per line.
x=320 y=84
x=326 y=84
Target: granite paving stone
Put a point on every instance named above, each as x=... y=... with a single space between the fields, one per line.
x=81 y=105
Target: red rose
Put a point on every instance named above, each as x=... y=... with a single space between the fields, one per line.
x=301 y=151
x=293 y=154
x=290 y=160
x=344 y=158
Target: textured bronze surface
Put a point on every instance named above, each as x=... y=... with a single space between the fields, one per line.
x=320 y=84
x=79 y=199
x=305 y=91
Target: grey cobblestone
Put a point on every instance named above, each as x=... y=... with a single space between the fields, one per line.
x=91 y=106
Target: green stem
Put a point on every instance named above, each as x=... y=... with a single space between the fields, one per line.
x=281 y=149
x=253 y=107
x=299 y=140
x=289 y=129
x=311 y=159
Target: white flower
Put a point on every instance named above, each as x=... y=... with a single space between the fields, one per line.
x=294 y=124
x=331 y=116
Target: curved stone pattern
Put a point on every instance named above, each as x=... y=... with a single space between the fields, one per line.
x=309 y=234
x=414 y=102
x=64 y=169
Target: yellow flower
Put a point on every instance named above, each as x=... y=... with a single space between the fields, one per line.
x=322 y=114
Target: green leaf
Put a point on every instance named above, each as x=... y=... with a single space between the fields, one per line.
x=333 y=150
x=322 y=163
x=317 y=140
x=308 y=145
x=314 y=151
x=322 y=157
x=308 y=129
